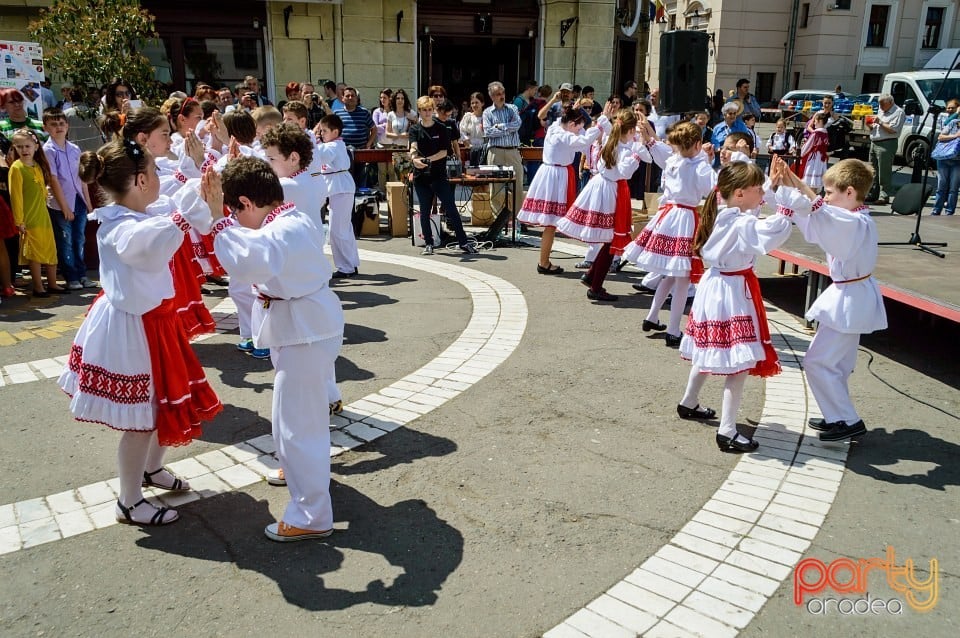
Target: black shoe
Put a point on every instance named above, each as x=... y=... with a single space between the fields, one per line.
x=695 y=413
x=726 y=444
x=647 y=326
x=550 y=270
x=620 y=264
x=673 y=341
x=470 y=249
x=643 y=289
x=345 y=275
x=820 y=425
x=585 y=280
x=841 y=431
x=59 y=291
x=220 y=281
x=42 y=294
x=602 y=295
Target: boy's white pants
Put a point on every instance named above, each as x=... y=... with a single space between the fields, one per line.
x=243 y=298
x=830 y=360
x=343 y=243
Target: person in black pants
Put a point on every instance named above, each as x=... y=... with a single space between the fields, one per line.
x=429 y=146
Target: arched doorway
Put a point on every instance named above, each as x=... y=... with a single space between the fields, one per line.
x=465 y=46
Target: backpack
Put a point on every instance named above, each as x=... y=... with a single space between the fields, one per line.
x=529 y=123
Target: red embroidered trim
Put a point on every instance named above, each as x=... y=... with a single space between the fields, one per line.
x=180 y=222
x=180 y=177
x=590 y=218
x=664 y=244
x=786 y=212
x=722 y=334
x=300 y=172
x=544 y=206
x=276 y=212
x=817 y=205
x=100 y=382
x=226 y=222
x=861 y=209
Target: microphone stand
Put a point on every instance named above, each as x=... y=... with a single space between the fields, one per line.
x=920 y=155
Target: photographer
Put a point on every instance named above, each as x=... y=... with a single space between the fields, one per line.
x=429 y=147
x=316 y=105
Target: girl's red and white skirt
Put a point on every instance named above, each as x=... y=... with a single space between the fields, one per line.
x=665 y=245
x=138 y=373
x=187 y=298
x=551 y=192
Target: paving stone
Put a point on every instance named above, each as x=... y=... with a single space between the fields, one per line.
x=699 y=624
x=32 y=510
x=641 y=598
x=38 y=532
x=73 y=523
x=622 y=614
x=10 y=539
x=593 y=624
x=726 y=612
x=728 y=591
x=238 y=476
x=654 y=583
x=96 y=494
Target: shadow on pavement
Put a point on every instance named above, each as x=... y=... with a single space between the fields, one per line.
x=402 y=446
x=882 y=448
x=408 y=535
x=355 y=333
x=353 y=300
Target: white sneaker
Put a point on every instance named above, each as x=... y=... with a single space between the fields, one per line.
x=276 y=477
x=87 y=282
x=74 y=285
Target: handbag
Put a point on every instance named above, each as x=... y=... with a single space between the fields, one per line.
x=946 y=150
x=436 y=231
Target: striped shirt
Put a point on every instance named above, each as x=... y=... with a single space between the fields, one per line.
x=500 y=126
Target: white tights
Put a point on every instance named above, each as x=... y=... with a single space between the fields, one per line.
x=138 y=452
x=679 y=287
x=732 y=396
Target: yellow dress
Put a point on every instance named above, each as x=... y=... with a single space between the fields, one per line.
x=28 y=199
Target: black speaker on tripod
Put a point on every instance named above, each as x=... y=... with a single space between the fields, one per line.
x=683 y=71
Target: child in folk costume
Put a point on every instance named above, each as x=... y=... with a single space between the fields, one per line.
x=665 y=245
x=554 y=186
x=131 y=367
x=335 y=168
x=601 y=213
x=852 y=305
x=813 y=155
x=150 y=129
x=727 y=333
x=279 y=250
x=781 y=142
x=28 y=180
x=289 y=152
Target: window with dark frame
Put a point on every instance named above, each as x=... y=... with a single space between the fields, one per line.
x=842 y=5
x=877 y=27
x=804 y=14
x=763 y=88
x=871 y=82
x=932 y=28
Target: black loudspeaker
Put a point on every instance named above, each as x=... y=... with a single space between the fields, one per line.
x=683 y=71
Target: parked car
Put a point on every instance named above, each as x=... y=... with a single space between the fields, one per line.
x=857 y=139
x=794 y=101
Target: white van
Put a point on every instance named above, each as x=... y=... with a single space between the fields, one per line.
x=914 y=91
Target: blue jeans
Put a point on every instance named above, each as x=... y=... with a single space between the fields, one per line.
x=70 y=237
x=441 y=188
x=948 y=186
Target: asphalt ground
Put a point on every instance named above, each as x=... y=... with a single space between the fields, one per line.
x=498 y=514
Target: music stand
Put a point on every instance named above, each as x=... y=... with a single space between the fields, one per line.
x=920 y=155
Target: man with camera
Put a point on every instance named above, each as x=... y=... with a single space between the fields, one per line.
x=316 y=106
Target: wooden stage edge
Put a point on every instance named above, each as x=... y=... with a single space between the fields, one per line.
x=891 y=291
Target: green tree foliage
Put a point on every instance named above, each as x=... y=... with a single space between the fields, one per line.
x=93 y=41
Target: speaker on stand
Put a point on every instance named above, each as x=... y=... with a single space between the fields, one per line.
x=683 y=71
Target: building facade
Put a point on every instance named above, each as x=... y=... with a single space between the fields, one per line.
x=782 y=45
x=372 y=44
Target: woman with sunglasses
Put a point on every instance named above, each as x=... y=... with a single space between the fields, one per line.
x=118 y=97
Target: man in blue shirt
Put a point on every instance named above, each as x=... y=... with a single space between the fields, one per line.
x=358 y=131
x=750 y=103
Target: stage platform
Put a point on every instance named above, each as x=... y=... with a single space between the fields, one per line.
x=905 y=274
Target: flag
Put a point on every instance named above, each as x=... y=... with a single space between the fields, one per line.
x=661 y=15
x=653 y=11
